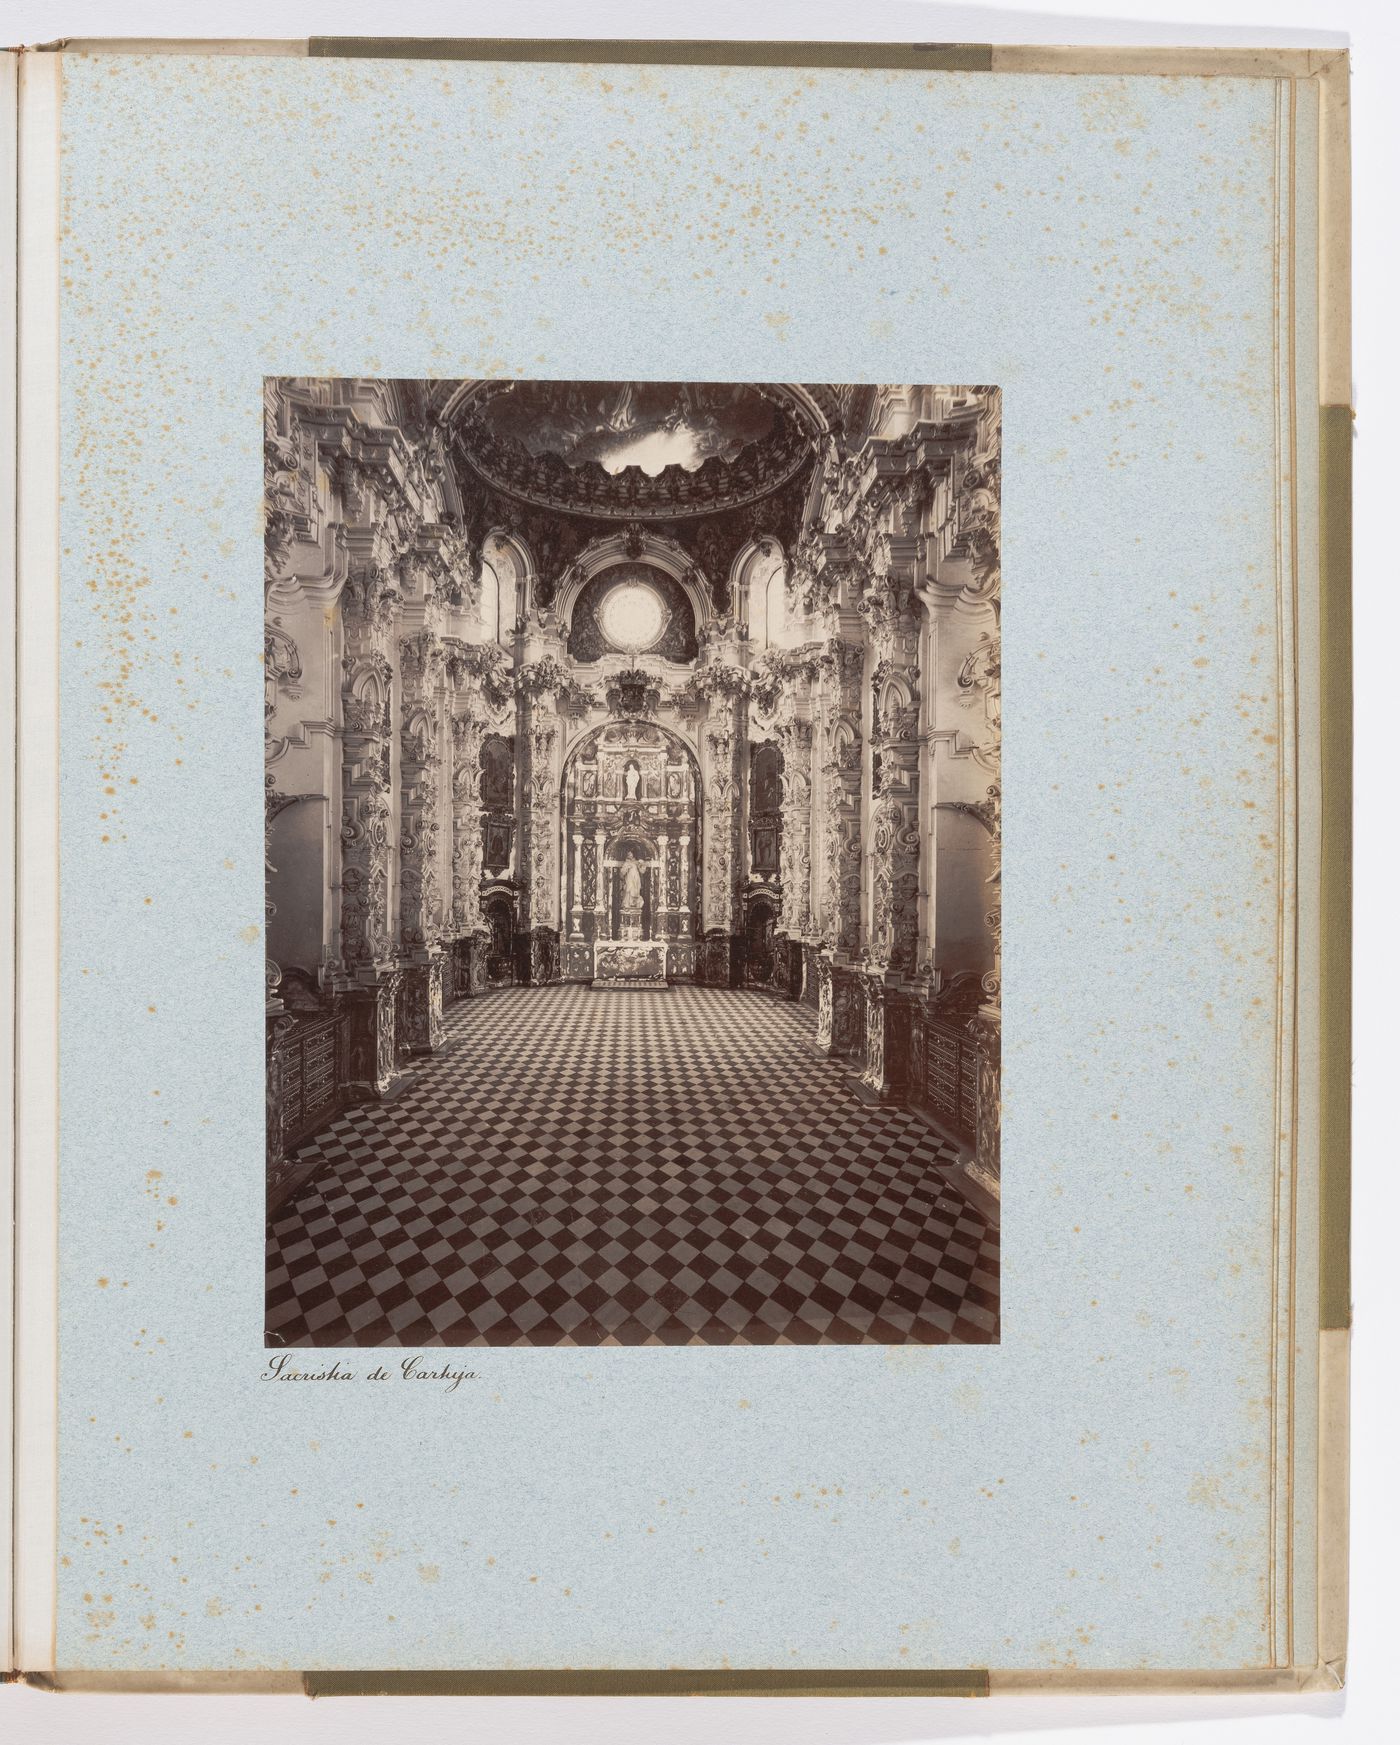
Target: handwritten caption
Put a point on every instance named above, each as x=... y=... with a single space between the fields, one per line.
x=284 y=1367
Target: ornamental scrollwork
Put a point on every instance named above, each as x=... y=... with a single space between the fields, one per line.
x=281 y=666
x=718 y=679
x=632 y=693
x=282 y=509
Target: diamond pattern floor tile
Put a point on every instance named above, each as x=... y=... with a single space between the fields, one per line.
x=584 y=1167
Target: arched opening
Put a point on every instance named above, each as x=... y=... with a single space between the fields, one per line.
x=776 y=596
x=490 y=601
x=762 y=578
x=632 y=609
x=630 y=833
x=498 y=912
x=759 y=926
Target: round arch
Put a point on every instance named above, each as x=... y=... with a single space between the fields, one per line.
x=635 y=546
x=510 y=558
x=630 y=789
x=587 y=739
x=751 y=576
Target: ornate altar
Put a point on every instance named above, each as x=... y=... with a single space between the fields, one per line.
x=631 y=826
x=619 y=965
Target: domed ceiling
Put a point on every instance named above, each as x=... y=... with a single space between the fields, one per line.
x=625 y=450
x=708 y=465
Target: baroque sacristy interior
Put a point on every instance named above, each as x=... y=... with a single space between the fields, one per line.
x=633 y=854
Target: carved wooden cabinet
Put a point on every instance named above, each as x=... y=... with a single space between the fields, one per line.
x=314 y=1074
x=950 y=1077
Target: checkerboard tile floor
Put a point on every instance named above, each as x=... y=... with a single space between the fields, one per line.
x=583 y=1167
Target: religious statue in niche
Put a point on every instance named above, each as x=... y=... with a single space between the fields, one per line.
x=631 y=877
x=632 y=780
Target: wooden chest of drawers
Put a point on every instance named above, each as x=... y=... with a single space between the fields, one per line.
x=950 y=1077
x=313 y=1075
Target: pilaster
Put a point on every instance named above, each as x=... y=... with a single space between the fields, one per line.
x=888 y=1012
x=478 y=688
x=724 y=739
x=840 y=1010
x=794 y=737
x=367 y=873
x=842 y=667
x=421 y=767
x=538 y=687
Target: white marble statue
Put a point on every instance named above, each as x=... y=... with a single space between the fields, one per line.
x=631 y=875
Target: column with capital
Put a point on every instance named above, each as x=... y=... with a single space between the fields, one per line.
x=662 y=896
x=600 y=904
x=576 y=909
x=683 y=893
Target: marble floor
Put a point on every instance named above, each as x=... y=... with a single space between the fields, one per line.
x=588 y=1167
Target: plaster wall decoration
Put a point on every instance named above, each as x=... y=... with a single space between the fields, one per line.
x=282 y=667
x=633 y=692
x=794 y=736
x=421 y=766
x=368 y=616
x=825 y=1006
x=808 y=588
x=364 y=880
x=718 y=679
x=283 y=504
x=467 y=734
x=873 y=995
x=779 y=671
x=479 y=686
x=842 y=666
x=895 y=879
x=422 y=667
x=538 y=845
x=724 y=753
x=977 y=542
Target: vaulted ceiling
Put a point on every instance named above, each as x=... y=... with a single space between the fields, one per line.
x=709 y=465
